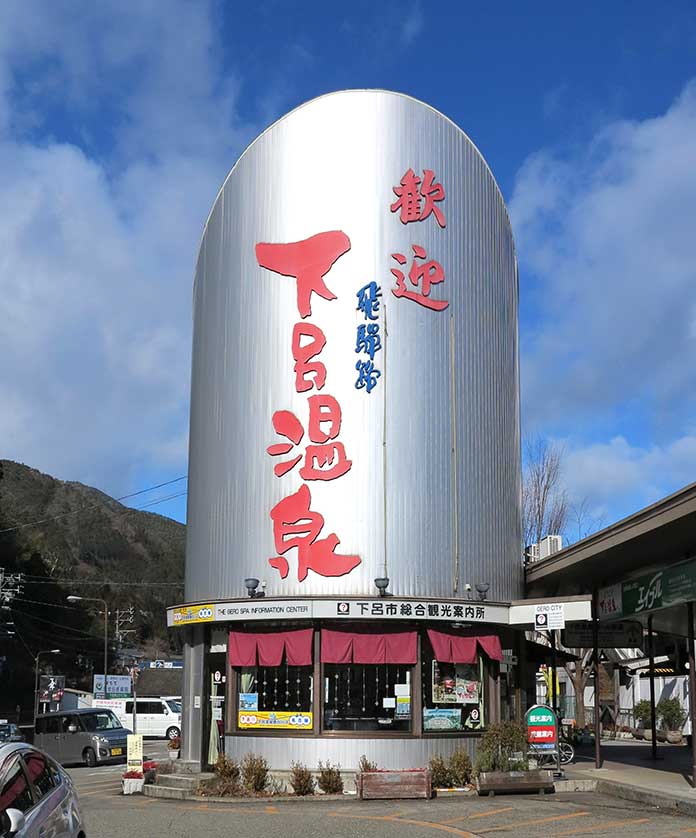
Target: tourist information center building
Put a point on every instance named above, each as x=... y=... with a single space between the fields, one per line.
x=353 y=561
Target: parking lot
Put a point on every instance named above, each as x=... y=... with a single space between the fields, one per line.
x=110 y=815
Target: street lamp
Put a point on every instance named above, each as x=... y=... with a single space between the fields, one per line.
x=73 y=598
x=36 y=677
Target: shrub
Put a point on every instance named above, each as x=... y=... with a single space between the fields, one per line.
x=440 y=772
x=366 y=765
x=174 y=744
x=254 y=773
x=227 y=769
x=460 y=768
x=641 y=713
x=500 y=747
x=671 y=714
x=330 y=781
x=301 y=780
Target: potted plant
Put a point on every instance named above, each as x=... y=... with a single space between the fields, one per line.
x=174 y=747
x=502 y=765
x=641 y=713
x=132 y=782
x=672 y=717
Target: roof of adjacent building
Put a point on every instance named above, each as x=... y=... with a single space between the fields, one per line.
x=658 y=535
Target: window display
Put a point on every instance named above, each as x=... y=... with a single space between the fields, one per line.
x=367 y=697
x=453 y=695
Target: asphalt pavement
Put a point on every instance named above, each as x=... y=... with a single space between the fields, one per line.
x=108 y=814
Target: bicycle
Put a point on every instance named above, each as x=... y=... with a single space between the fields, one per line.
x=566 y=753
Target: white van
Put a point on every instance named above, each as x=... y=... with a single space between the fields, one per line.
x=156 y=717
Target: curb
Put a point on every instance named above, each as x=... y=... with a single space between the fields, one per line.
x=660 y=799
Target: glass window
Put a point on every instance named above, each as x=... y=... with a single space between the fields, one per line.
x=174 y=706
x=275 y=698
x=66 y=721
x=156 y=707
x=103 y=720
x=453 y=694
x=129 y=708
x=15 y=792
x=39 y=773
x=367 y=697
x=52 y=724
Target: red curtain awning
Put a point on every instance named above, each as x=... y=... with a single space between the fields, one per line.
x=455 y=648
x=351 y=647
x=245 y=647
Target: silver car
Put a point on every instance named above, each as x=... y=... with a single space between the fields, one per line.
x=90 y=736
x=37 y=797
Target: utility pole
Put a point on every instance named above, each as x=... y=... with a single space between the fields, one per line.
x=123 y=618
x=10 y=587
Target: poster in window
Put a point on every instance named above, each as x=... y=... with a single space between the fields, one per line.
x=455 y=683
x=248 y=701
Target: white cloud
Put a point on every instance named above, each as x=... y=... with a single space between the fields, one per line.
x=605 y=238
x=98 y=238
x=615 y=472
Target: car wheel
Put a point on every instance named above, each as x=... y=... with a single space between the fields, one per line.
x=173 y=732
x=89 y=757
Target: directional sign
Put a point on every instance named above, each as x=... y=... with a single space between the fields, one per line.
x=624 y=635
x=542 y=728
x=549 y=616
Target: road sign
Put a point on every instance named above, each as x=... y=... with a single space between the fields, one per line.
x=627 y=634
x=549 y=616
x=542 y=728
x=51 y=688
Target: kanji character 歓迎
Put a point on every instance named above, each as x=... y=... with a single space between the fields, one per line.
x=416 y=199
x=296 y=525
x=368 y=340
x=367 y=375
x=325 y=460
x=302 y=353
x=424 y=274
x=308 y=261
x=368 y=300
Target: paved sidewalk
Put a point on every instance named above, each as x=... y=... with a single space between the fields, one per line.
x=628 y=771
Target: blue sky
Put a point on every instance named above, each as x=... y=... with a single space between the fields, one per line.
x=118 y=122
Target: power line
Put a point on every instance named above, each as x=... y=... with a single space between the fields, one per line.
x=97 y=505
x=48 y=580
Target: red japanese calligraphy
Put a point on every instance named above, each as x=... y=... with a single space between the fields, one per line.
x=295 y=525
x=303 y=353
x=424 y=275
x=325 y=460
x=308 y=261
x=416 y=199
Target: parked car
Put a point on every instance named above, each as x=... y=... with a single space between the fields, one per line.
x=37 y=797
x=156 y=717
x=92 y=735
x=10 y=733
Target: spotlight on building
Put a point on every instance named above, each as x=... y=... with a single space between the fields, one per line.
x=251 y=585
x=382 y=583
x=482 y=590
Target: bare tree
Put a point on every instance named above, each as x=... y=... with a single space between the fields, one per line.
x=584 y=523
x=544 y=500
x=579 y=673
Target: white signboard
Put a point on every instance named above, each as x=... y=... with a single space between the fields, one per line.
x=549 y=616
x=135 y=752
x=610 y=602
x=117 y=686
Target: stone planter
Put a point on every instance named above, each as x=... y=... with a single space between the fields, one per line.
x=661 y=735
x=133 y=785
x=394 y=785
x=505 y=782
x=675 y=737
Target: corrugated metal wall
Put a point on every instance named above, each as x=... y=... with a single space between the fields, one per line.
x=387 y=753
x=442 y=508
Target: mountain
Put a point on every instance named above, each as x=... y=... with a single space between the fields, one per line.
x=90 y=545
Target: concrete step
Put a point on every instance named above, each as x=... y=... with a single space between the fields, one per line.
x=181 y=781
x=169 y=792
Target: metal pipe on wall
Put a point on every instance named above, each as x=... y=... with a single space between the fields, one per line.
x=692 y=688
x=595 y=668
x=653 y=715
